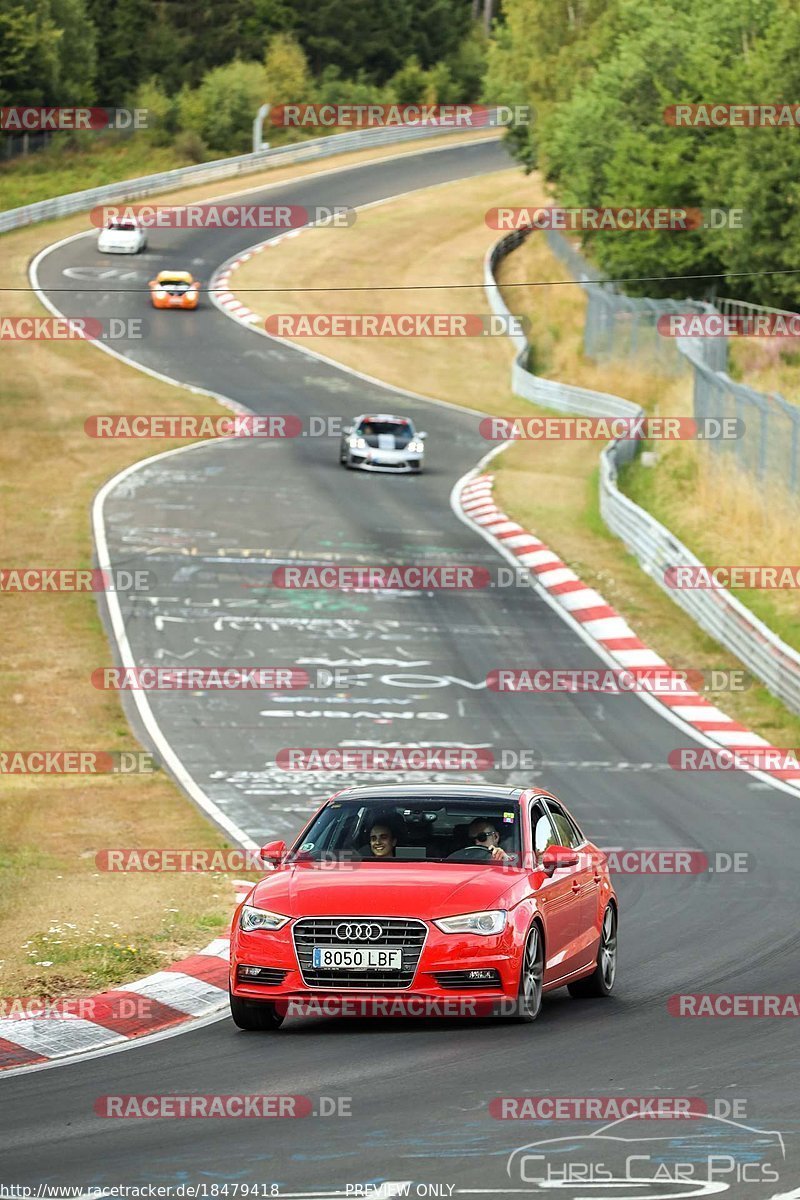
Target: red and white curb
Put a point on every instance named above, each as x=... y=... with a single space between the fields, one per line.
x=601 y=623
x=221 y=283
x=185 y=991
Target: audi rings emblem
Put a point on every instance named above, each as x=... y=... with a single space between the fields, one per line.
x=358 y=931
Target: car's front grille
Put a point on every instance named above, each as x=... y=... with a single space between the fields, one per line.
x=406 y=934
x=468 y=981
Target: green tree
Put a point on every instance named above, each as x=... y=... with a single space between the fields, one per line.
x=222 y=108
x=77 y=51
x=29 y=58
x=286 y=71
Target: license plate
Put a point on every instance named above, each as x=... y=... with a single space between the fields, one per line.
x=357 y=958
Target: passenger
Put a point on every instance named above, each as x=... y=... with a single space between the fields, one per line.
x=382 y=840
x=484 y=833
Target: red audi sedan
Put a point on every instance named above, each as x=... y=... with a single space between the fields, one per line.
x=425 y=900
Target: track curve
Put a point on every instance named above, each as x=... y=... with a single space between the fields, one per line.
x=211 y=522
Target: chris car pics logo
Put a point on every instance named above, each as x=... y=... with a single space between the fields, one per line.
x=649 y=1159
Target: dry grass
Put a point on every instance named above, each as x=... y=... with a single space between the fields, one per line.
x=551 y=487
x=430 y=238
x=767 y=364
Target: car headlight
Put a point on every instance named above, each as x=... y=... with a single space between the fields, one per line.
x=357 y=443
x=191 y=295
x=162 y=295
x=489 y=922
x=260 y=918
x=416 y=446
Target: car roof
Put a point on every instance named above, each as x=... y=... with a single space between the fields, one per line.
x=183 y=276
x=491 y=793
x=384 y=417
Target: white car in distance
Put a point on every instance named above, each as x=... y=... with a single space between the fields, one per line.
x=123 y=236
x=382 y=442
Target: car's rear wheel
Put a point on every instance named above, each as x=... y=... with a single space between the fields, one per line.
x=258 y=1018
x=529 y=1000
x=601 y=980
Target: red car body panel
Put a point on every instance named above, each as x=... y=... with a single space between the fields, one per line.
x=569 y=905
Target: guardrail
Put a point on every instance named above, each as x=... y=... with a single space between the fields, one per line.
x=221 y=168
x=716 y=611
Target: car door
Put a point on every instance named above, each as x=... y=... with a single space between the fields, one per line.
x=558 y=898
x=585 y=882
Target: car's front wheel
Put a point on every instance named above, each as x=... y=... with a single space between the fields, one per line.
x=601 y=980
x=255 y=1017
x=529 y=999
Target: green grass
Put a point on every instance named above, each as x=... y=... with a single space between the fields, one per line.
x=91 y=161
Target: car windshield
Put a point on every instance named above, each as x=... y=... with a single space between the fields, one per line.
x=174 y=285
x=414 y=830
x=123 y=226
x=371 y=429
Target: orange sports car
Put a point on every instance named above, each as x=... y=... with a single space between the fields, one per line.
x=174 y=289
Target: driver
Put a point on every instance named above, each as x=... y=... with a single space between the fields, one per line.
x=381 y=840
x=484 y=833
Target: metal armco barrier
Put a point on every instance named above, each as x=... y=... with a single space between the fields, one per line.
x=716 y=611
x=221 y=168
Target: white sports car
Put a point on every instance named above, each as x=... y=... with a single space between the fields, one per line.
x=382 y=443
x=125 y=236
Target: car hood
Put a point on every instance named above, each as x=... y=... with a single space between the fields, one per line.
x=382 y=889
x=387 y=441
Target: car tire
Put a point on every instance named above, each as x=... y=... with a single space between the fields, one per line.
x=601 y=980
x=255 y=1017
x=529 y=993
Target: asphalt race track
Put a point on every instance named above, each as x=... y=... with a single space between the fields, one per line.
x=211 y=523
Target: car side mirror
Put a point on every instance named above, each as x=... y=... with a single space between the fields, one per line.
x=152 y=282
x=557 y=857
x=274 y=853
x=422 y=436
x=347 y=430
